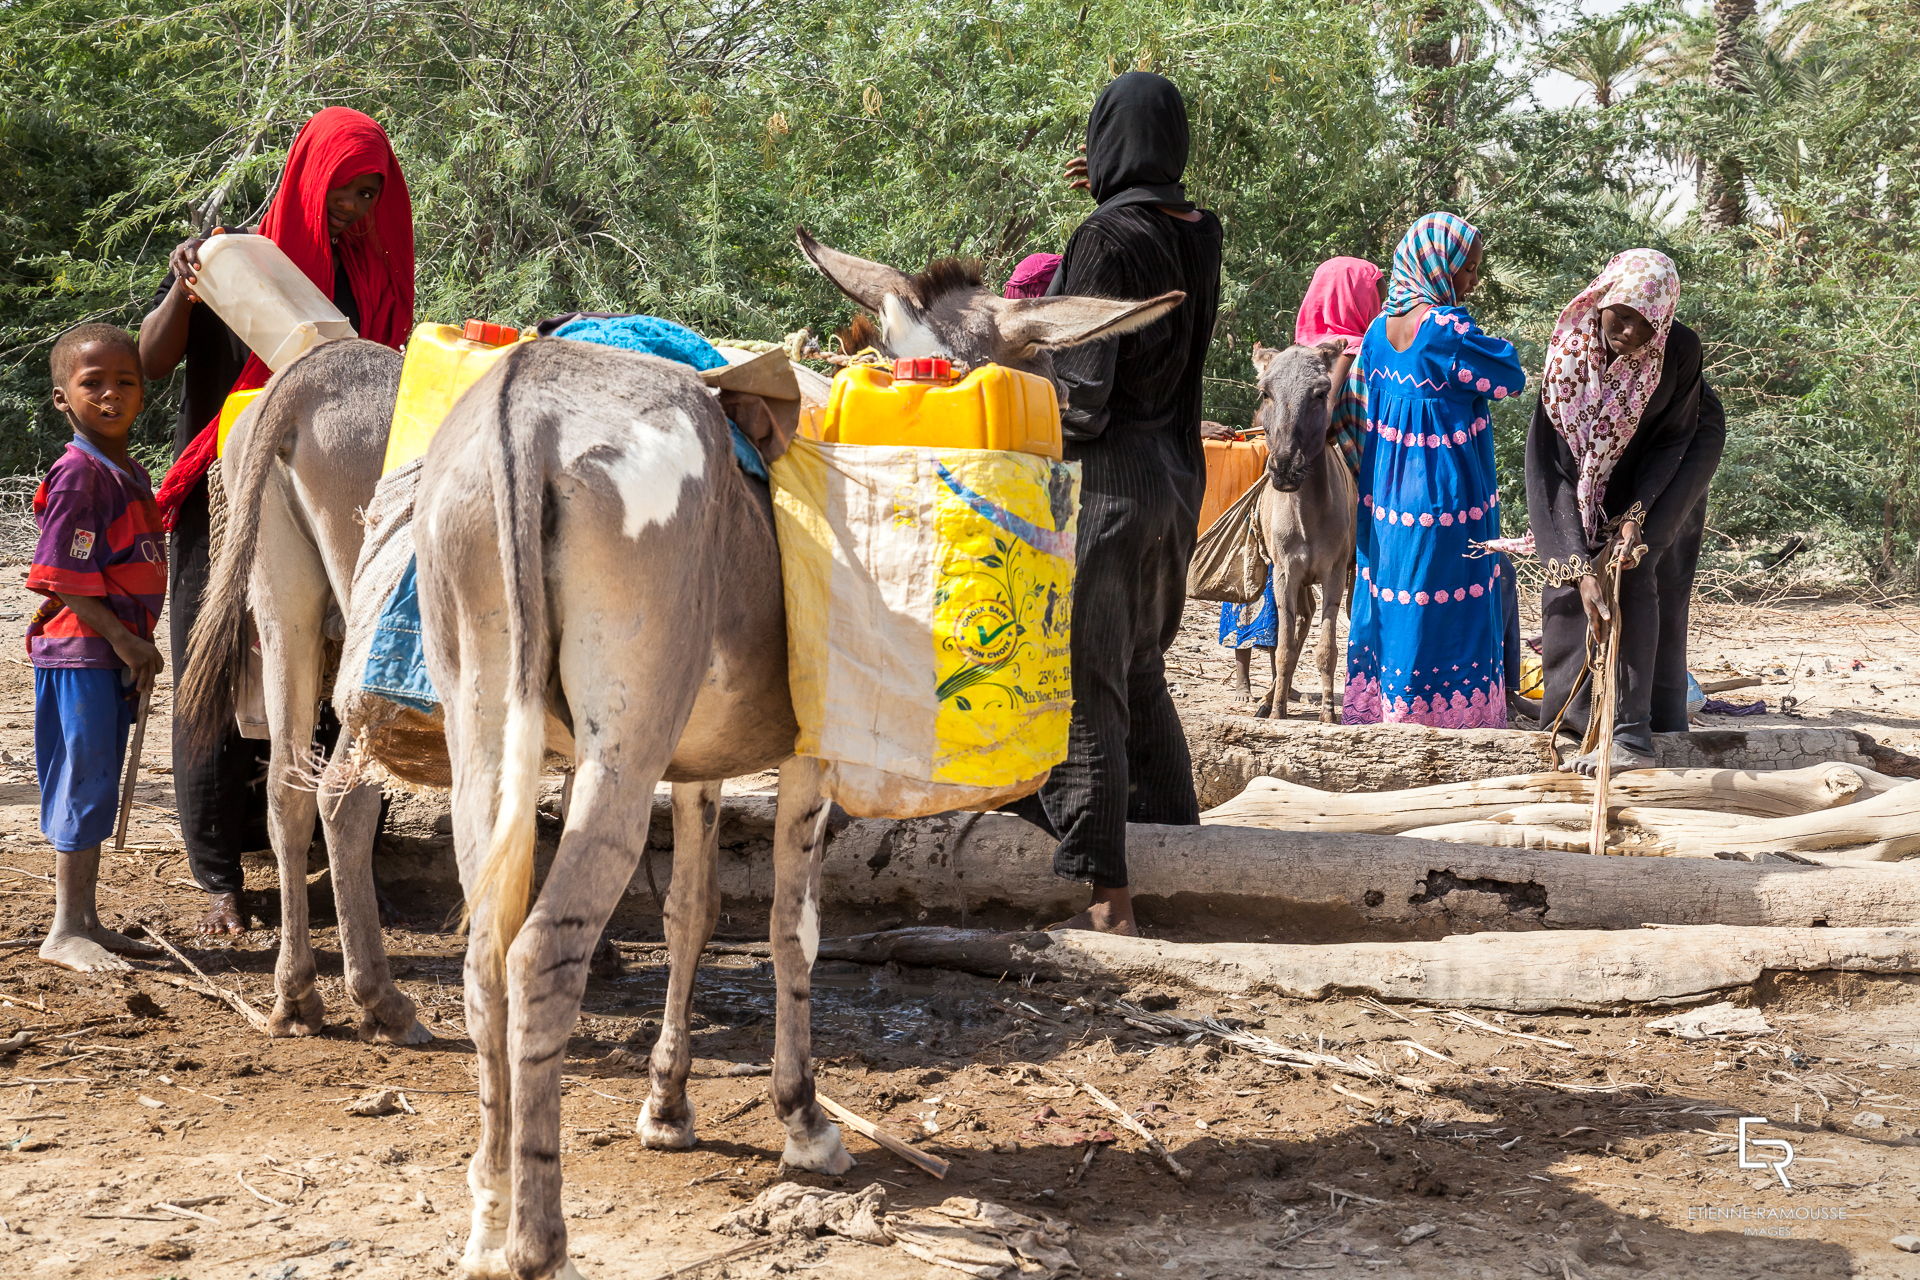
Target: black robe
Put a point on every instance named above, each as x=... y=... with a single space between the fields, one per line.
x=1661 y=480
x=1131 y=416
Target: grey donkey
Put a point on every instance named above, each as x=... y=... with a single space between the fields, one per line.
x=598 y=578
x=299 y=465
x=1307 y=512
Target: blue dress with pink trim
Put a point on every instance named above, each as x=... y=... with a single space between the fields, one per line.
x=1425 y=645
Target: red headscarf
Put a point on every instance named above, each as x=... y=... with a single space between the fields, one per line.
x=333 y=148
x=1340 y=303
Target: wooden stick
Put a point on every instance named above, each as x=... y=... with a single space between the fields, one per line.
x=133 y=770
x=255 y=1019
x=725 y=1255
x=933 y=1165
x=258 y=1194
x=1603 y=703
x=1467 y=1019
x=165 y=1207
x=1127 y=1122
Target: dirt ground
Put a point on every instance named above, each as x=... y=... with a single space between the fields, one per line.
x=1830 y=663
x=1539 y=1146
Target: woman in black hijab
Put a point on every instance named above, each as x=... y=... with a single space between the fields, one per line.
x=1131 y=417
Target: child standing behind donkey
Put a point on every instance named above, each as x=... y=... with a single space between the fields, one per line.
x=101 y=564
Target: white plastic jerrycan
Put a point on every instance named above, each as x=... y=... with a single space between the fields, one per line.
x=265 y=298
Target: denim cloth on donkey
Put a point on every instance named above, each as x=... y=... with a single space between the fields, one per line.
x=396 y=666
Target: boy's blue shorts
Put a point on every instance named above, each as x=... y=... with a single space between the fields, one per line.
x=80 y=720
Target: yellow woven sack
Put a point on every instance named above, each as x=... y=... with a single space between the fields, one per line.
x=928 y=599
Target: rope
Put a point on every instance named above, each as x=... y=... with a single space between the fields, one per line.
x=799 y=345
x=216 y=512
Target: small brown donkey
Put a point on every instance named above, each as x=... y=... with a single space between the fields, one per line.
x=1306 y=513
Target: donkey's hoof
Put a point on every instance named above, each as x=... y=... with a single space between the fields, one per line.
x=411 y=1032
x=480 y=1263
x=391 y=1019
x=821 y=1152
x=660 y=1133
x=303 y=1017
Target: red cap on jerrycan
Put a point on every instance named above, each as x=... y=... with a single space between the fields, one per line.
x=492 y=335
x=923 y=369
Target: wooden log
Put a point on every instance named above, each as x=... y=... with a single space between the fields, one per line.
x=1230 y=751
x=1882 y=828
x=1325 y=886
x=1523 y=973
x=1281 y=805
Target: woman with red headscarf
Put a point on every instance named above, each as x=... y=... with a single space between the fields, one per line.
x=341 y=213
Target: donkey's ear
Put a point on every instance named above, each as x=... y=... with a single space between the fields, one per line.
x=1053 y=323
x=1332 y=349
x=867 y=283
x=1262 y=357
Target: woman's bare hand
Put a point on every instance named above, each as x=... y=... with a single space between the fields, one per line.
x=1076 y=172
x=1595 y=603
x=1630 y=544
x=185 y=261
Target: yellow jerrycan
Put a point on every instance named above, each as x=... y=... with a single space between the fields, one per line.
x=442 y=362
x=922 y=404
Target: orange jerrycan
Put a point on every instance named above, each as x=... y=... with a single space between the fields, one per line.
x=921 y=404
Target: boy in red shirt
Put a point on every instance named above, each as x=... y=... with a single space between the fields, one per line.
x=101 y=563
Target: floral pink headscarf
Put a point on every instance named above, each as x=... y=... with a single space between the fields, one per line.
x=1596 y=405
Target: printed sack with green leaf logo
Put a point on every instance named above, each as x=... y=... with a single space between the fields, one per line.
x=928 y=602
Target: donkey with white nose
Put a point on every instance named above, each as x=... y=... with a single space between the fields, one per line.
x=599 y=579
x=1306 y=512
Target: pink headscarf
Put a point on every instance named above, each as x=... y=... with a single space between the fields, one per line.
x=1341 y=302
x=1031 y=278
x=1594 y=404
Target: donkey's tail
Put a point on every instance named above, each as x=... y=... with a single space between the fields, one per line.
x=517 y=481
x=204 y=695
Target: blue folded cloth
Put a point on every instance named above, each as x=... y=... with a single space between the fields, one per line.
x=648 y=334
x=397 y=663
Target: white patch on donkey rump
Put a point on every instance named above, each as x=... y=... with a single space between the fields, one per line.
x=649 y=468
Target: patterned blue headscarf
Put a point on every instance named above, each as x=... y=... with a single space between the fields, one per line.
x=1423 y=266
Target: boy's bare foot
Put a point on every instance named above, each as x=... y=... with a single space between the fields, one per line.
x=1240 y=683
x=120 y=944
x=1588 y=765
x=1110 y=912
x=224 y=917
x=80 y=953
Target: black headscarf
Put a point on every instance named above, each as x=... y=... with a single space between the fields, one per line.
x=1137 y=143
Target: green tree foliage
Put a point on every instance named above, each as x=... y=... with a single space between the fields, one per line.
x=656 y=155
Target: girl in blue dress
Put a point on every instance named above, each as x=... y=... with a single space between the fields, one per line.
x=1426 y=641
